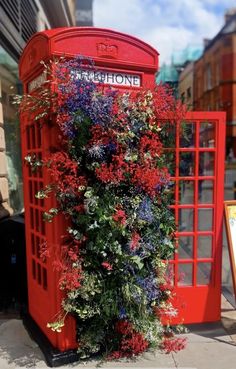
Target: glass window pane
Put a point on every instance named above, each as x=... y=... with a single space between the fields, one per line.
x=170 y=192
x=170 y=273
x=187 y=138
x=186 y=192
x=169 y=134
x=172 y=210
x=205 y=191
x=186 y=164
x=171 y=162
x=206 y=163
x=203 y=273
x=204 y=247
x=185 y=220
x=185 y=274
x=185 y=249
x=205 y=219
x=207 y=134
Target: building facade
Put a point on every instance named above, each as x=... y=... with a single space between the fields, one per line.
x=185 y=85
x=19 y=20
x=215 y=77
x=84 y=13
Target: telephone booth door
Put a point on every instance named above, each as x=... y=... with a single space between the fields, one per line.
x=198 y=207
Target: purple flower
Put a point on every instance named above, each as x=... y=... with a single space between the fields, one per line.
x=85 y=103
x=145 y=210
x=150 y=287
x=111 y=147
x=136 y=125
x=122 y=313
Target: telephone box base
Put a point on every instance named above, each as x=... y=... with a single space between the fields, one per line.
x=53 y=356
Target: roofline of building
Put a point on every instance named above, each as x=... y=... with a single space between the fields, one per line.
x=219 y=34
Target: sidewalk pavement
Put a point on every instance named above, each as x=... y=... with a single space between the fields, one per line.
x=211 y=345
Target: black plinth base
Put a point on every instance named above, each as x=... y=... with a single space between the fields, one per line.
x=53 y=356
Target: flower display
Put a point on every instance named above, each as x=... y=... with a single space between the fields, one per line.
x=111 y=180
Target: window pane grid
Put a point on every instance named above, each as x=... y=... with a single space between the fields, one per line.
x=194 y=202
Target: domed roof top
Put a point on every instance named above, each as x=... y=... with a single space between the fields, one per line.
x=190 y=53
x=167 y=74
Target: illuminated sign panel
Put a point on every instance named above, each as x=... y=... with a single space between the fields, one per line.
x=110 y=78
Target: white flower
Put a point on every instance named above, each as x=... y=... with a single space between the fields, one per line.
x=96 y=151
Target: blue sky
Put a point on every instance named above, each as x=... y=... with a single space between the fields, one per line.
x=168 y=25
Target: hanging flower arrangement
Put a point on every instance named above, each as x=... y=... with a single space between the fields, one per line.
x=110 y=176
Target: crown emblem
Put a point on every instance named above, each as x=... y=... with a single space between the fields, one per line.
x=107 y=50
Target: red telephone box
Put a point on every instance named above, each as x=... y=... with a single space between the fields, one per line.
x=198 y=175
x=122 y=61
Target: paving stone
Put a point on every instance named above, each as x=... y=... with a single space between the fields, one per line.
x=217 y=355
x=16 y=347
x=208 y=333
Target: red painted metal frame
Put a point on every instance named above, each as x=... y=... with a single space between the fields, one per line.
x=112 y=51
x=201 y=303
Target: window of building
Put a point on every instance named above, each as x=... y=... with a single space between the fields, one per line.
x=183 y=97
x=23 y=16
x=189 y=93
x=198 y=86
x=10 y=85
x=217 y=73
x=228 y=41
x=208 y=77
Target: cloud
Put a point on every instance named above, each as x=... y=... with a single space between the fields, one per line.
x=168 y=25
x=168 y=39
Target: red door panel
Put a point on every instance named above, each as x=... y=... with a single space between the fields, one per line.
x=198 y=207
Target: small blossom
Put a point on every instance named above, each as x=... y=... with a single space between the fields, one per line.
x=96 y=151
x=107 y=265
x=134 y=241
x=119 y=216
x=145 y=211
x=174 y=344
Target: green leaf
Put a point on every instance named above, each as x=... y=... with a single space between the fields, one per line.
x=137 y=260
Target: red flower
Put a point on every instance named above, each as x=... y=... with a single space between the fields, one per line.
x=115 y=355
x=134 y=345
x=69 y=280
x=131 y=343
x=79 y=208
x=134 y=241
x=64 y=172
x=44 y=251
x=150 y=143
x=107 y=265
x=70 y=274
x=123 y=327
x=149 y=178
x=119 y=216
x=99 y=135
x=173 y=344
